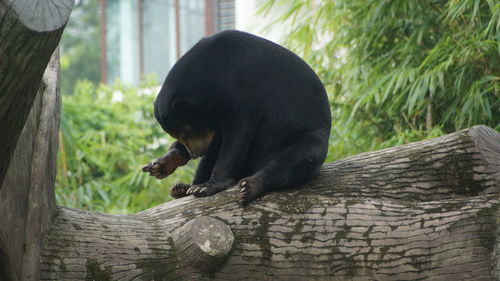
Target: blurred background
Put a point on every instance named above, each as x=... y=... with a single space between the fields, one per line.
x=396 y=71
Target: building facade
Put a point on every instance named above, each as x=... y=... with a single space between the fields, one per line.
x=143 y=37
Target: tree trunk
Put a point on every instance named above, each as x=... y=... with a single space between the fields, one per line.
x=27 y=196
x=29 y=123
x=29 y=33
x=423 y=211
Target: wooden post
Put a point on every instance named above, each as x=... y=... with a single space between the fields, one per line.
x=177 y=29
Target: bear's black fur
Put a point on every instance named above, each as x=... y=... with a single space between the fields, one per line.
x=256 y=113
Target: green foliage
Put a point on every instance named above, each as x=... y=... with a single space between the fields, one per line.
x=80 y=46
x=106 y=135
x=397 y=70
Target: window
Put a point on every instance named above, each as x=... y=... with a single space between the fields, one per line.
x=143 y=37
x=158 y=37
x=122 y=41
x=192 y=21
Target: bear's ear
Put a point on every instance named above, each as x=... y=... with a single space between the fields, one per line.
x=180 y=105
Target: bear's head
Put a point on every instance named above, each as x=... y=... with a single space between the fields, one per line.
x=184 y=121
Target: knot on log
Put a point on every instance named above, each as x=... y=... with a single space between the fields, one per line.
x=203 y=243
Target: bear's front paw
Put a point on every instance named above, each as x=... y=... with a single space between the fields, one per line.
x=166 y=165
x=179 y=190
x=209 y=188
x=156 y=169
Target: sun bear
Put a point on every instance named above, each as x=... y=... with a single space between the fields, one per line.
x=256 y=114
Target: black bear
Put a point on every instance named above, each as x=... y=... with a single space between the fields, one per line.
x=254 y=111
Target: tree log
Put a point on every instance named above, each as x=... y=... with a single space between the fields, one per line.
x=27 y=200
x=423 y=211
x=29 y=123
x=29 y=33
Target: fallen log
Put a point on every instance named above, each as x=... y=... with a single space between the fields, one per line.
x=426 y=210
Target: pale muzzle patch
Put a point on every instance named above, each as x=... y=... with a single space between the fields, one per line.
x=196 y=142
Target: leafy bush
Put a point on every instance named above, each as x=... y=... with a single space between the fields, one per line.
x=397 y=70
x=106 y=135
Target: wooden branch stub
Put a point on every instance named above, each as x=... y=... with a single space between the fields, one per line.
x=42 y=15
x=203 y=243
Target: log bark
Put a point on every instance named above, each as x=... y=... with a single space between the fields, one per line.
x=29 y=33
x=423 y=211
